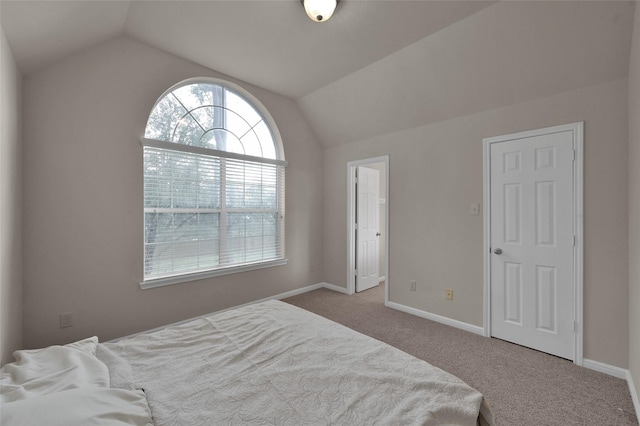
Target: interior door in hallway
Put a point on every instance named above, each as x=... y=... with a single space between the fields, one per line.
x=532 y=241
x=368 y=228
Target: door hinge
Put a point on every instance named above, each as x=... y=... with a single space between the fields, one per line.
x=355 y=272
x=574 y=241
x=575 y=155
x=575 y=326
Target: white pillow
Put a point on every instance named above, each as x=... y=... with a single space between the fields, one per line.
x=52 y=369
x=87 y=345
x=80 y=407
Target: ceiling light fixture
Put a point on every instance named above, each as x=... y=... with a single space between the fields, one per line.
x=319 y=10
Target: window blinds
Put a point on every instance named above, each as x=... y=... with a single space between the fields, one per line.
x=209 y=210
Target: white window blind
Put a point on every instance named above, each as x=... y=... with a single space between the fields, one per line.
x=207 y=209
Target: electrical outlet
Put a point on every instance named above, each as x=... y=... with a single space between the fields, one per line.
x=412 y=285
x=448 y=294
x=66 y=320
x=474 y=210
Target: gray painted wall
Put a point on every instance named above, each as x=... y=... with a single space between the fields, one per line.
x=10 y=205
x=510 y=67
x=83 y=222
x=82 y=190
x=436 y=173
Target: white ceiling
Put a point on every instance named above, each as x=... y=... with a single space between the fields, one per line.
x=375 y=68
x=505 y=54
x=271 y=44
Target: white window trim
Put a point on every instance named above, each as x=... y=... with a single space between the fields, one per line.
x=266 y=116
x=161 y=282
x=172 y=146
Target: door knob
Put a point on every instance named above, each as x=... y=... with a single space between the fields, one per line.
x=498 y=251
x=377 y=234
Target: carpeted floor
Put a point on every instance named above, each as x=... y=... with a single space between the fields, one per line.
x=523 y=386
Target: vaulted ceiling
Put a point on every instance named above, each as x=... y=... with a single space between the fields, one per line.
x=271 y=44
x=375 y=67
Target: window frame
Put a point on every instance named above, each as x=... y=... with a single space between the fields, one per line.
x=279 y=161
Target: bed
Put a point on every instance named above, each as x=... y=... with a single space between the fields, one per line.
x=268 y=363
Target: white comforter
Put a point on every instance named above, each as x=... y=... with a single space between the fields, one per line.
x=273 y=363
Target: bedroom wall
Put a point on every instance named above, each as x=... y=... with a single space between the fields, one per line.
x=436 y=173
x=10 y=204
x=634 y=205
x=83 y=224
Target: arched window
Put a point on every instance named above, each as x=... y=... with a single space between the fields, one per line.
x=213 y=184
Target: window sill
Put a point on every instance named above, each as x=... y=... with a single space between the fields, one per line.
x=161 y=282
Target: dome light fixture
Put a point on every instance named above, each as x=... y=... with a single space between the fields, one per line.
x=319 y=10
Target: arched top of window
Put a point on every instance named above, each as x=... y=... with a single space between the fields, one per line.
x=214 y=115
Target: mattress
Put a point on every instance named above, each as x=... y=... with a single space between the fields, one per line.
x=274 y=363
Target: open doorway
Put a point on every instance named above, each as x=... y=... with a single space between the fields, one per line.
x=368 y=224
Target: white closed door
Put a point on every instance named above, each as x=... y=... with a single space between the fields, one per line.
x=532 y=242
x=367 y=229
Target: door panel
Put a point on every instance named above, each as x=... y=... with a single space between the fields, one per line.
x=513 y=293
x=531 y=219
x=545 y=213
x=512 y=213
x=546 y=298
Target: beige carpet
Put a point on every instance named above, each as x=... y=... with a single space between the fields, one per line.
x=523 y=386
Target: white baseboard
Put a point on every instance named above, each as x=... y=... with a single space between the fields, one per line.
x=274 y=297
x=280 y=296
x=601 y=367
x=295 y=292
x=620 y=373
x=334 y=288
x=634 y=394
x=437 y=318
x=611 y=370
x=608 y=369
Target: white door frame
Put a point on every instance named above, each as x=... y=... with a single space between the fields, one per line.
x=352 y=166
x=578 y=184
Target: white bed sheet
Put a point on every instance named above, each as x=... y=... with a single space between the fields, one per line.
x=53 y=369
x=274 y=363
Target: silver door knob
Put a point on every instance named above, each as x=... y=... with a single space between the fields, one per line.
x=498 y=251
